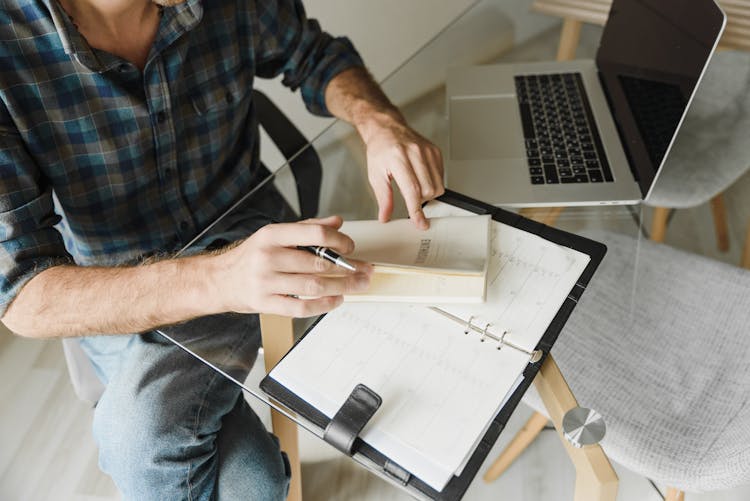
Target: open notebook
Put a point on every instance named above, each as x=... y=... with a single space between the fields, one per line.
x=446 y=263
x=445 y=371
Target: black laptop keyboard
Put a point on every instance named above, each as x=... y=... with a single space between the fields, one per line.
x=562 y=142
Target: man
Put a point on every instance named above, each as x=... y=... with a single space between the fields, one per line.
x=127 y=126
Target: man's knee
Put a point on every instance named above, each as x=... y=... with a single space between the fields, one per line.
x=251 y=464
x=143 y=448
x=266 y=481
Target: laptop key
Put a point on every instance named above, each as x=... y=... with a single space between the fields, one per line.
x=559 y=129
x=595 y=176
x=537 y=179
x=550 y=172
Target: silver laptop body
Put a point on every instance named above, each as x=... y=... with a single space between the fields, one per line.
x=637 y=92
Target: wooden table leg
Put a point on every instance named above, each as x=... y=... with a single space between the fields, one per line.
x=520 y=442
x=596 y=480
x=544 y=215
x=277 y=334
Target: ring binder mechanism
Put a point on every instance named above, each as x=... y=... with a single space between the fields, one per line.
x=485 y=333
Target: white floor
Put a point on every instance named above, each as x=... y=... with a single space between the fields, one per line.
x=47 y=453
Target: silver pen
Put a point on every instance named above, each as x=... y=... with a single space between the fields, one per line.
x=328 y=255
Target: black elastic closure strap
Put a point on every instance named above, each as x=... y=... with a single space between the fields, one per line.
x=351 y=418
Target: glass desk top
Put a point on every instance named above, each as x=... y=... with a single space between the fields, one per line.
x=345 y=191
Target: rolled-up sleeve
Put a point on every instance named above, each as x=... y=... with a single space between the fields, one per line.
x=29 y=243
x=290 y=43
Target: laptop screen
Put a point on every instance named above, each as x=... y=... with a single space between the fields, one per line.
x=651 y=56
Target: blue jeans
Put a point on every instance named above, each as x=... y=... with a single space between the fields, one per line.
x=171 y=428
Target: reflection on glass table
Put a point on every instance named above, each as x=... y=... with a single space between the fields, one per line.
x=301 y=188
x=345 y=191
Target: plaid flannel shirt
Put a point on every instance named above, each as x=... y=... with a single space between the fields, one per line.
x=101 y=163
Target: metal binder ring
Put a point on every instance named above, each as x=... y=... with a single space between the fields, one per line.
x=468 y=324
x=501 y=341
x=484 y=333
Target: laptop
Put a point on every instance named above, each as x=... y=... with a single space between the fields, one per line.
x=582 y=132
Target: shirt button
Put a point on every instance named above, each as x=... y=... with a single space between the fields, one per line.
x=229 y=97
x=161 y=117
x=184 y=226
x=168 y=172
x=122 y=68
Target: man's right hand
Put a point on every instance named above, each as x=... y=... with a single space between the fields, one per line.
x=266 y=273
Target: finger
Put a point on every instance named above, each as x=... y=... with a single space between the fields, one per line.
x=290 y=260
x=420 y=164
x=294 y=234
x=381 y=186
x=334 y=222
x=307 y=285
x=410 y=190
x=437 y=170
x=300 y=308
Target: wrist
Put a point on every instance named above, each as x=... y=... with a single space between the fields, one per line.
x=209 y=284
x=369 y=121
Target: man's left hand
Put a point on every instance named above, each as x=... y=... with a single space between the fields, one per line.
x=397 y=152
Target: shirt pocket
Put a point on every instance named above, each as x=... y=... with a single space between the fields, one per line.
x=218 y=96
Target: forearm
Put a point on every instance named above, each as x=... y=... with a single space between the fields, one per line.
x=395 y=152
x=354 y=96
x=75 y=301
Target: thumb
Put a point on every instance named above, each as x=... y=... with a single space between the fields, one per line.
x=334 y=222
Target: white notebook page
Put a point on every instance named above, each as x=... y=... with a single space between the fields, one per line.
x=527 y=281
x=439 y=386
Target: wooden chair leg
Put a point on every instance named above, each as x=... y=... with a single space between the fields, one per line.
x=596 y=480
x=277 y=334
x=520 y=442
x=569 y=37
x=745 y=263
x=659 y=223
x=719 y=212
x=674 y=495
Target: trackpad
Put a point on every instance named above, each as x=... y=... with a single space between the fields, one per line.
x=486 y=127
